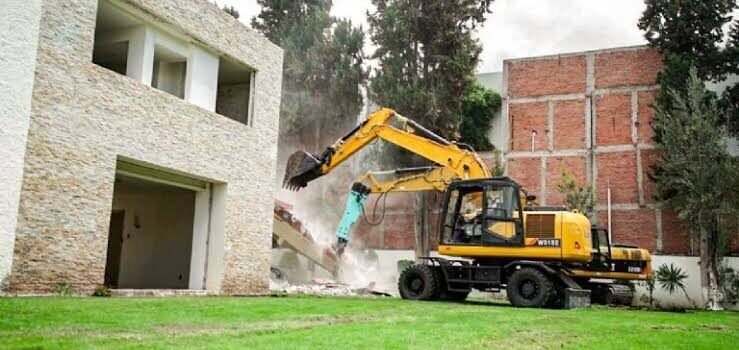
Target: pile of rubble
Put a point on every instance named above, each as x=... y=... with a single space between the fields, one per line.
x=325 y=287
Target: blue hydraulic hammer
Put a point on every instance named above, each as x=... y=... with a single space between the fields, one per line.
x=354 y=207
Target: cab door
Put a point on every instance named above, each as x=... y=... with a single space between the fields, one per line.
x=601 y=250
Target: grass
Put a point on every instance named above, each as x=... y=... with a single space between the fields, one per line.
x=346 y=323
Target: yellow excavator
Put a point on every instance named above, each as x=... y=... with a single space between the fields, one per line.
x=542 y=256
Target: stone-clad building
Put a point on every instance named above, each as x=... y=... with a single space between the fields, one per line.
x=139 y=140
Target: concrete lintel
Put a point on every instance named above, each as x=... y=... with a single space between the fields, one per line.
x=646 y=146
x=624 y=89
x=618 y=206
x=575 y=54
x=615 y=148
x=546 y=98
x=625 y=206
x=545 y=154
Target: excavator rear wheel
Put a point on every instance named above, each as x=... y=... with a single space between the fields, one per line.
x=419 y=282
x=529 y=287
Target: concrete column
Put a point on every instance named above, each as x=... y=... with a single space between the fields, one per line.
x=19 y=32
x=140 y=64
x=201 y=227
x=215 y=268
x=202 y=78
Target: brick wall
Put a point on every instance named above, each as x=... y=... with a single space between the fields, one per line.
x=590 y=113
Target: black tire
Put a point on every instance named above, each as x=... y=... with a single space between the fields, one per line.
x=418 y=282
x=529 y=287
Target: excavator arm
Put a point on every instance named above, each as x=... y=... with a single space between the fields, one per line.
x=452 y=160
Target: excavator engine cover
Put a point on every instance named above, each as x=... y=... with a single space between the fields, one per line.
x=301 y=168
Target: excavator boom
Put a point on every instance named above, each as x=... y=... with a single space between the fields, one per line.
x=389 y=126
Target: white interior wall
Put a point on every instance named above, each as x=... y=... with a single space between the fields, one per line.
x=18 y=62
x=200 y=78
x=157 y=236
x=170 y=77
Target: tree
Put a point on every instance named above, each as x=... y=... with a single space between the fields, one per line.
x=323 y=57
x=576 y=196
x=691 y=28
x=696 y=177
x=479 y=106
x=426 y=58
x=232 y=11
x=691 y=33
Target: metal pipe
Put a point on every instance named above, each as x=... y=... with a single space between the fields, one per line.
x=610 y=234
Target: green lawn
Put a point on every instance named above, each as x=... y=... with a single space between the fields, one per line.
x=346 y=323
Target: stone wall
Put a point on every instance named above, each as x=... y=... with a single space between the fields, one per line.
x=17 y=64
x=84 y=117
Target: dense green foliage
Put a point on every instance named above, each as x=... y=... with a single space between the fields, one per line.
x=691 y=33
x=232 y=11
x=696 y=177
x=346 y=323
x=323 y=57
x=479 y=106
x=426 y=58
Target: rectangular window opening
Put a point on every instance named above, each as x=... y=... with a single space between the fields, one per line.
x=169 y=71
x=111 y=45
x=234 y=97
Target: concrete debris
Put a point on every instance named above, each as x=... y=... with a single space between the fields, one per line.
x=325 y=287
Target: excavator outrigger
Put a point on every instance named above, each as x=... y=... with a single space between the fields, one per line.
x=540 y=255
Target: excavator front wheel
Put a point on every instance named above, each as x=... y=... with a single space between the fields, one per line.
x=418 y=282
x=529 y=287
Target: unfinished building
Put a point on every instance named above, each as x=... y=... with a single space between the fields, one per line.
x=142 y=148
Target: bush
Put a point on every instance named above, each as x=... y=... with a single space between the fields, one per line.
x=101 y=291
x=64 y=289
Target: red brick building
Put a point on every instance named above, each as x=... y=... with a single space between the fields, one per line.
x=590 y=113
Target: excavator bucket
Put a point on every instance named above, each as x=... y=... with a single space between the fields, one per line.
x=301 y=168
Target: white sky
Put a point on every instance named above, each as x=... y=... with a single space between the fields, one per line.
x=524 y=28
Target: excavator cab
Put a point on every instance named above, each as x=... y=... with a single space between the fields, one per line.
x=482 y=213
x=601 y=249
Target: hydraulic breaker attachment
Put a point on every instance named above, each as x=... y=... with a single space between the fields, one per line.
x=301 y=168
x=354 y=206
